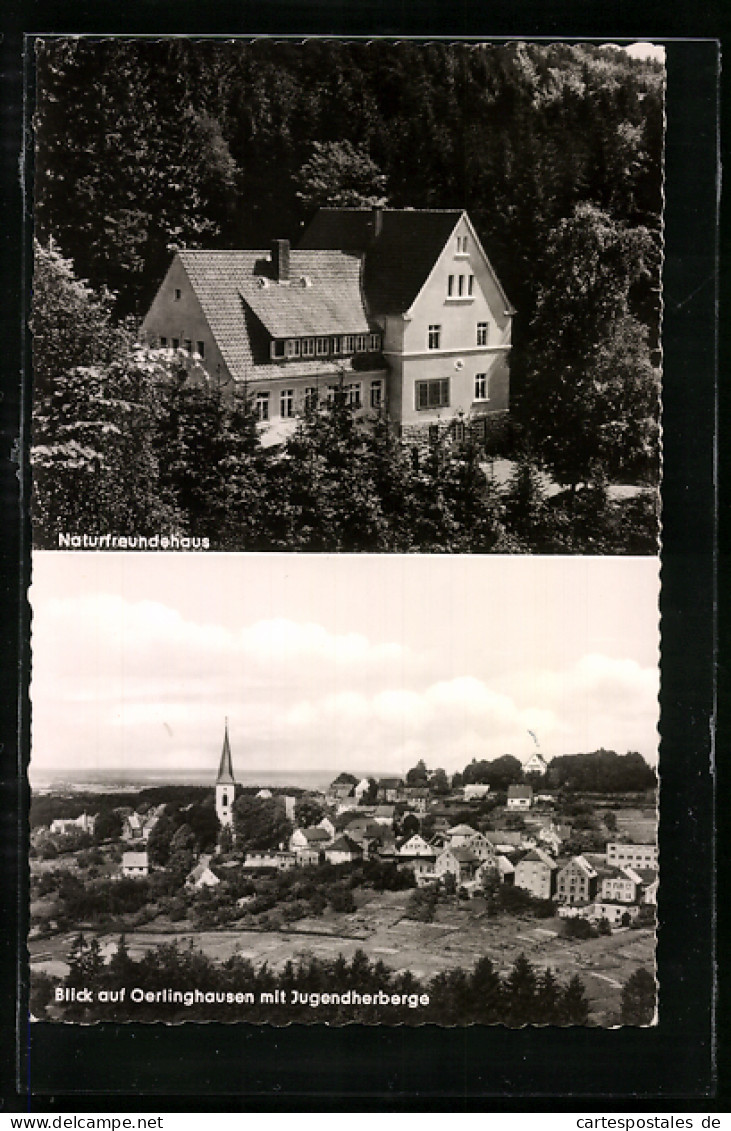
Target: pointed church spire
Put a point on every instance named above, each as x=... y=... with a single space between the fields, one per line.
x=225 y=769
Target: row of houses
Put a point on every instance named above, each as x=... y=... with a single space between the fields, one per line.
x=393 y=791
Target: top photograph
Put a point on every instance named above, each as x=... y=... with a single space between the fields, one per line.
x=346 y=296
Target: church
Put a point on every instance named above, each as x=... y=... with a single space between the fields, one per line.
x=225 y=785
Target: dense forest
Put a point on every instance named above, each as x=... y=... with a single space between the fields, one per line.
x=145 y=147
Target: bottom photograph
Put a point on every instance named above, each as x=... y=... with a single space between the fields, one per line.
x=332 y=789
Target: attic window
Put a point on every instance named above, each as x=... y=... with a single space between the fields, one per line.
x=306 y=281
x=178 y=294
x=461 y=245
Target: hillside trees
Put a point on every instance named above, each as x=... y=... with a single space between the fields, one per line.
x=639 y=996
x=591 y=400
x=259 y=823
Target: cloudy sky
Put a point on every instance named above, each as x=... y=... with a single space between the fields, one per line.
x=337 y=662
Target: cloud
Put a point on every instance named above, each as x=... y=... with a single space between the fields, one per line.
x=129 y=683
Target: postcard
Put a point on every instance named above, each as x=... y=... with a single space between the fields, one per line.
x=346 y=464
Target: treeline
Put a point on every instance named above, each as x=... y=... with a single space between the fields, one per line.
x=603 y=771
x=144 y=147
x=522 y=996
x=600 y=771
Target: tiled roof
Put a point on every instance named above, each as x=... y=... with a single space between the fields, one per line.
x=520 y=791
x=398 y=261
x=315 y=834
x=537 y=856
x=464 y=855
x=234 y=302
x=134 y=860
x=344 y=844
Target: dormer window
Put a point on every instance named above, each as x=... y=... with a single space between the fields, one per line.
x=308 y=347
x=322 y=347
x=375 y=341
x=276 y=350
x=292 y=347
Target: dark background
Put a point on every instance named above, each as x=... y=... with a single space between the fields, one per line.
x=667 y=1068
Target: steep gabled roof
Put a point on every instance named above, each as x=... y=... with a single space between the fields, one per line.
x=398 y=260
x=229 y=287
x=345 y=844
x=225 y=769
x=537 y=856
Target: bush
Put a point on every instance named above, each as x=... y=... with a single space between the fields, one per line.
x=578 y=928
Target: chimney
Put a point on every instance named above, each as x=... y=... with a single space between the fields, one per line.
x=280 y=260
x=377 y=221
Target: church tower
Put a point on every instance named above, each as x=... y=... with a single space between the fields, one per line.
x=225 y=785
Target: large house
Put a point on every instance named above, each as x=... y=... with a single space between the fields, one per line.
x=397 y=311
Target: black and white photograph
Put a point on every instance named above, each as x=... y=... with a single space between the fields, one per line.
x=309 y=788
x=345 y=458
x=329 y=296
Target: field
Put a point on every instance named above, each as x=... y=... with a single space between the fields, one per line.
x=458 y=937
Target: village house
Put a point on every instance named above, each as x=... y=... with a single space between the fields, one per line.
x=616 y=914
x=279 y=860
x=344 y=850
x=397 y=311
x=138 y=826
x=536 y=764
x=361 y=789
x=536 y=873
x=416 y=797
x=475 y=792
x=202 y=876
x=389 y=790
x=520 y=797
x=621 y=885
x=458 y=862
x=648 y=876
x=84 y=823
x=417 y=846
x=636 y=855
x=313 y=839
x=576 y=882
x=328 y=826
x=135 y=864
x=340 y=790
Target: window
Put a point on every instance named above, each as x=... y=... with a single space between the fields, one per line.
x=434 y=337
x=334 y=394
x=470 y=285
x=459 y=431
x=176 y=343
x=461 y=245
x=286 y=403
x=353 y=394
x=178 y=294
x=292 y=347
x=308 y=347
x=163 y=343
x=336 y=345
x=276 y=349
x=460 y=286
x=310 y=399
x=432 y=394
x=361 y=343
x=450 y=286
x=376 y=394
x=200 y=349
x=261 y=407
x=433 y=435
x=188 y=345
x=322 y=347
x=482 y=333
x=375 y=341
x=349 y=343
